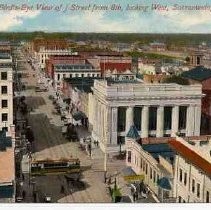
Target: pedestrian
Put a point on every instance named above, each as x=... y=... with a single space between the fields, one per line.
x=35 y=197
x=23 y=177
x=62 y=189
x=23 y=194
x=134 y=197
x=105 y=176
x=109 y=180
x=97 y=143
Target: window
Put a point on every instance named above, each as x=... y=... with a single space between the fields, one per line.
x=137 y=117
x=152 y=118
x=185 y=179
x=154 y=176
x=3 y=75
x=198 y=190
x=129 y=156
x=3 y=89
x=4 y=104
x=58 y=77
x=193 y=185
x=64 y=75
x=182 y=117
x=82 y=75
x=146 y=171
x=141 y=163
x=121 y=122
x=4 y=117
x=167 y=118
x=150 y=173
x=207 y=197
x=180 y=175
x=158 y=177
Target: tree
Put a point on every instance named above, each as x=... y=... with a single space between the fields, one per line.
x=176 y=79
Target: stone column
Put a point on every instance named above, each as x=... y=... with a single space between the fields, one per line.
x=129 y=118
x=175 y=120
x=197 y=122
x=98 y=118
x=190 y=121
x=107 y=124
x=160 y=121
x=114 y=117
x=145 y=122
x=102 y=126
x=93 y=114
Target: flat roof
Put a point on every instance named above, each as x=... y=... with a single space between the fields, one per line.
x=7 y=165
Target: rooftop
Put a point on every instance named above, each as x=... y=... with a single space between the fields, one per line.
x=74 y=67
x=82 y=83
x=133 y=133
x=162 y=149
x=120 y=67
x=198 y=73
x=7 y=166
x=192 y=156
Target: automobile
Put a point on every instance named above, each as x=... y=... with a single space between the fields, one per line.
x=19 y=199
x=47 y=199
x=37 y=89
x=40 y=89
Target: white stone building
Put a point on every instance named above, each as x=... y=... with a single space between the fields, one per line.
x=146 y=68
x=184 y=163
x=156 y=110
x=155 y=163
x=62 y=71
x=192 y=170
x=44 y=54
x=6 y=92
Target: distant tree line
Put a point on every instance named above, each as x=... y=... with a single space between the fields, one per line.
x=170 y=39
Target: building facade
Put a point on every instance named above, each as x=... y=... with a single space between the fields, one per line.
x=156 y=110
x=6 y=97
x=154 y=162
x=43 y=54
x=83 y=70
x=192 y=170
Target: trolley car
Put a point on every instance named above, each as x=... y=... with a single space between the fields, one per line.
x=62 y=166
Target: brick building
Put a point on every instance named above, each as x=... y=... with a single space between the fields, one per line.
x=202 y=75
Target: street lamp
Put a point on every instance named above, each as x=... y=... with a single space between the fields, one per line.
x=105 y=156
x=30 y=158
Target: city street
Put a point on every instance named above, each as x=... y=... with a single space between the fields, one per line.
x=49 y=143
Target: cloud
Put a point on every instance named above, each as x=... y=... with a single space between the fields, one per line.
x=15 y=18
x=187 y=21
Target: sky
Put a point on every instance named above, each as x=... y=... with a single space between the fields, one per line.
x=131 y=21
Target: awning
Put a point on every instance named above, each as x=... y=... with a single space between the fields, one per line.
x=6 y=191
x=128 y=171
x=164 y=183
x=79 y=116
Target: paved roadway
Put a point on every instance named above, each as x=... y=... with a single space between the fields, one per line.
x=49 y=143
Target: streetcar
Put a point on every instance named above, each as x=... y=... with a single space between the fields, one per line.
x=48 y=166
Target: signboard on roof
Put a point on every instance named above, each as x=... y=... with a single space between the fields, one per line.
x=132 y=178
